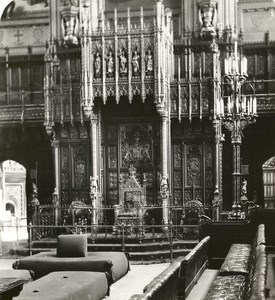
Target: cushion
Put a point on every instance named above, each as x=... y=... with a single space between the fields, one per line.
x=257 y=276
x=67 y=285
x=237 y=260
x=72 y=245
x=115 y=264
x=227 y=287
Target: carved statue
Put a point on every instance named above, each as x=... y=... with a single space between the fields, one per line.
x=149 y=62
x=69 y=27
x=135 y=62
x=97 y=64
x=93 y=187
x=110 y=63
x=207 y=16
x=244 y=188
x=164 y=189
x=34 y=201
x=123 y=63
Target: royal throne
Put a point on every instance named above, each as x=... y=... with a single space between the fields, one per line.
x=132 y=199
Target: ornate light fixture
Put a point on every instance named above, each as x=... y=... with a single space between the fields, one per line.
x=236 y=110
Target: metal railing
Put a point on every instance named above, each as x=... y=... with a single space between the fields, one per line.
x=98 y=234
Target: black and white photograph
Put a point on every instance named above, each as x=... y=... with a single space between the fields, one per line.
x=137 y=149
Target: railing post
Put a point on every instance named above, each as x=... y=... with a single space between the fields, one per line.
x=171 y=241
x=123 y=238
x=30 y=237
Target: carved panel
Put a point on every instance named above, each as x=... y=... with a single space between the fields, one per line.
x=250 y=65
x=205 y=98
x=112 y=180
x=177 y=197
x=194 y=164
x=75 y=70
x=208 y=63
x=112 y=156
x=113 y=197
x=64 y=167
x=177 y=179
x=73 y=133
x=83 y=132
x=198 y=195
x=149 y=179
x=197 y=63
x=209 y=156
x=80 y=166
x=112 y=133
x=65 y=198
x=136 y=145
x=261 y=65
x=188 y=195
x=76 y=101
x=209 y=178
x=177 y=156
x=197 y=128
x=195 y=98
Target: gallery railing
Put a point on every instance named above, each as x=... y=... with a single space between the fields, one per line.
x=76 y=219
x=120 y=236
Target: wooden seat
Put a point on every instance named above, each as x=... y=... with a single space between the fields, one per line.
x=132 y=199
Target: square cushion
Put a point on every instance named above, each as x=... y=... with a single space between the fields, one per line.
x=67 y=285
x=237 y=260
x=72 y=245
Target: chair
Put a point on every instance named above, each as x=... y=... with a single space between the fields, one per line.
x=132 y=199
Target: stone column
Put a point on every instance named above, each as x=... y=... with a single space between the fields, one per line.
x=217 y=201
x=94 y=168
x=164 y=187
x=57 y=172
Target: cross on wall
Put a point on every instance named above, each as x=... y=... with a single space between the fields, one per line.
x=18 y=35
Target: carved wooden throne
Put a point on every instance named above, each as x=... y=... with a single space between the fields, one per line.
x=132 y=198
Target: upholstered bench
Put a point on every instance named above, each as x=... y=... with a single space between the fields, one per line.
x=67 y=285
x=72 y=255
x=243 y=273
x=12 y=281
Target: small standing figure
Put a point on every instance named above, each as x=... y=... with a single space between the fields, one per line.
x=135 y=62
x=123 y=63
x=149 y=62
x=244 y=189
x=97 y=65
x=110 y=63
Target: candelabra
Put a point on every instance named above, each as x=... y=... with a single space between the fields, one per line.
x=235 y=110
